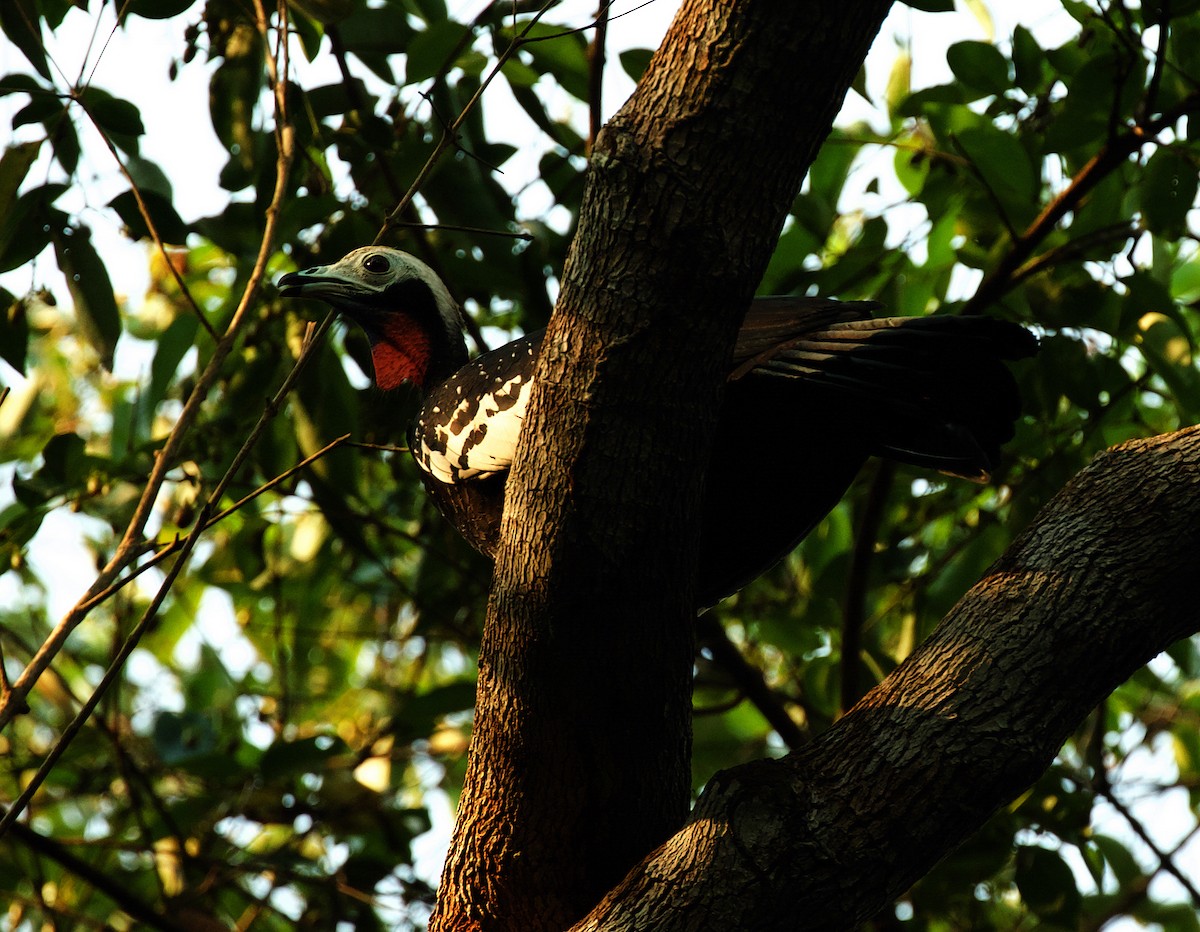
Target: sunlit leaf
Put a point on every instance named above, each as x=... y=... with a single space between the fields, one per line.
x=979 y=65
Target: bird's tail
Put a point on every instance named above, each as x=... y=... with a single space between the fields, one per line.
x=931 y=391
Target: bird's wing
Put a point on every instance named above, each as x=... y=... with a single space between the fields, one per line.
x=933 y=391
x=468 y=426
x=772 y=324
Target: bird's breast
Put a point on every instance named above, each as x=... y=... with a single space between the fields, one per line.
x=469 y=425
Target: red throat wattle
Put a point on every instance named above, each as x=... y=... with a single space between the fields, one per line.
x=401 y=354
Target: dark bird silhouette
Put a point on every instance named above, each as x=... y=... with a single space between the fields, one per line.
x=815 y=387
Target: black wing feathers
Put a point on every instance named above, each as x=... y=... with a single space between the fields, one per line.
x=931 y=391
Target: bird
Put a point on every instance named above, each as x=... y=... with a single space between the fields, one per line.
x=815 y=386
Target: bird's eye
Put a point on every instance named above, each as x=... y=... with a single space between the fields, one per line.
x=376 y=263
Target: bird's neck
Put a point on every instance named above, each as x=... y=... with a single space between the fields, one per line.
x=404 y=350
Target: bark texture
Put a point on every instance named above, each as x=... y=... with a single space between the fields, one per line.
x=824 y=838
x=580 y=758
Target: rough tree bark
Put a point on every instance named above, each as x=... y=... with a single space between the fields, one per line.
x=579 y=760
x=1101 y=582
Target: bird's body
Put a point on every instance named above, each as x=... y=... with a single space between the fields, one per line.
x=815 y=387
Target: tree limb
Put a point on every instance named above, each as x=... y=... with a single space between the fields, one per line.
x=580 y=755
x=1101 y=582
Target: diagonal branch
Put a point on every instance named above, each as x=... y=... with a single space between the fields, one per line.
x=1101 y=582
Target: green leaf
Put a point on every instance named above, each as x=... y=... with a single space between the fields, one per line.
x=635 y=61
x=1048 y=885
x=233 y=93
x=306 y=755
x=562 y=54
x=91 y=290
x=1167 y=349
x=117 y=117
x=1029 y=61
x=1004 y=167
x=432 y=50
x=173 y=345
x=325 y=12
x=14 y=166
x=63 y=458
x=25 y=229
x=899 y=84
x=167 y=222
x=156 y=9
x=1168 y=192
x=979 y=65
x=22 y=84
x=64 y=140
x=181 y=736
x=42 y=108
x=1119 y=858
x=14 y=330
x=336 y=99
x=148 y=176
x=1185 y=281
x=21 y=21
x=912 y=165
x=375 y=33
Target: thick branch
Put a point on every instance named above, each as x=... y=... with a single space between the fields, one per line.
x=579 y=761
x=1102 y=581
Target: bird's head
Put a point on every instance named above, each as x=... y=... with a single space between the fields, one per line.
x=414 y=327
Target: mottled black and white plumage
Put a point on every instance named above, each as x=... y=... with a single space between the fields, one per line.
x=815 y=387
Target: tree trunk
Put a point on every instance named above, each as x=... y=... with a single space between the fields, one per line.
x=579 y=760
x=1103 y=581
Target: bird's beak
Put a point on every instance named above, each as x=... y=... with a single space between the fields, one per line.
x=323 y=284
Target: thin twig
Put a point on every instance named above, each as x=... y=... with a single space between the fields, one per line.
x=131 y=543
x=1072 y=249
x=385 y=447
x=114 y=889
x=175 y=545
x=854 y=613
x=596 y=60
x=455 y=228
x=450 y=136
x=749 y=680
x=1164 y=858
x=1112 y=155
x=150 y=225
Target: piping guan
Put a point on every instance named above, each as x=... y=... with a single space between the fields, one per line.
x=815 y=387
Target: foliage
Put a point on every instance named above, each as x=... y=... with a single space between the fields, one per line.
x=299 y=708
